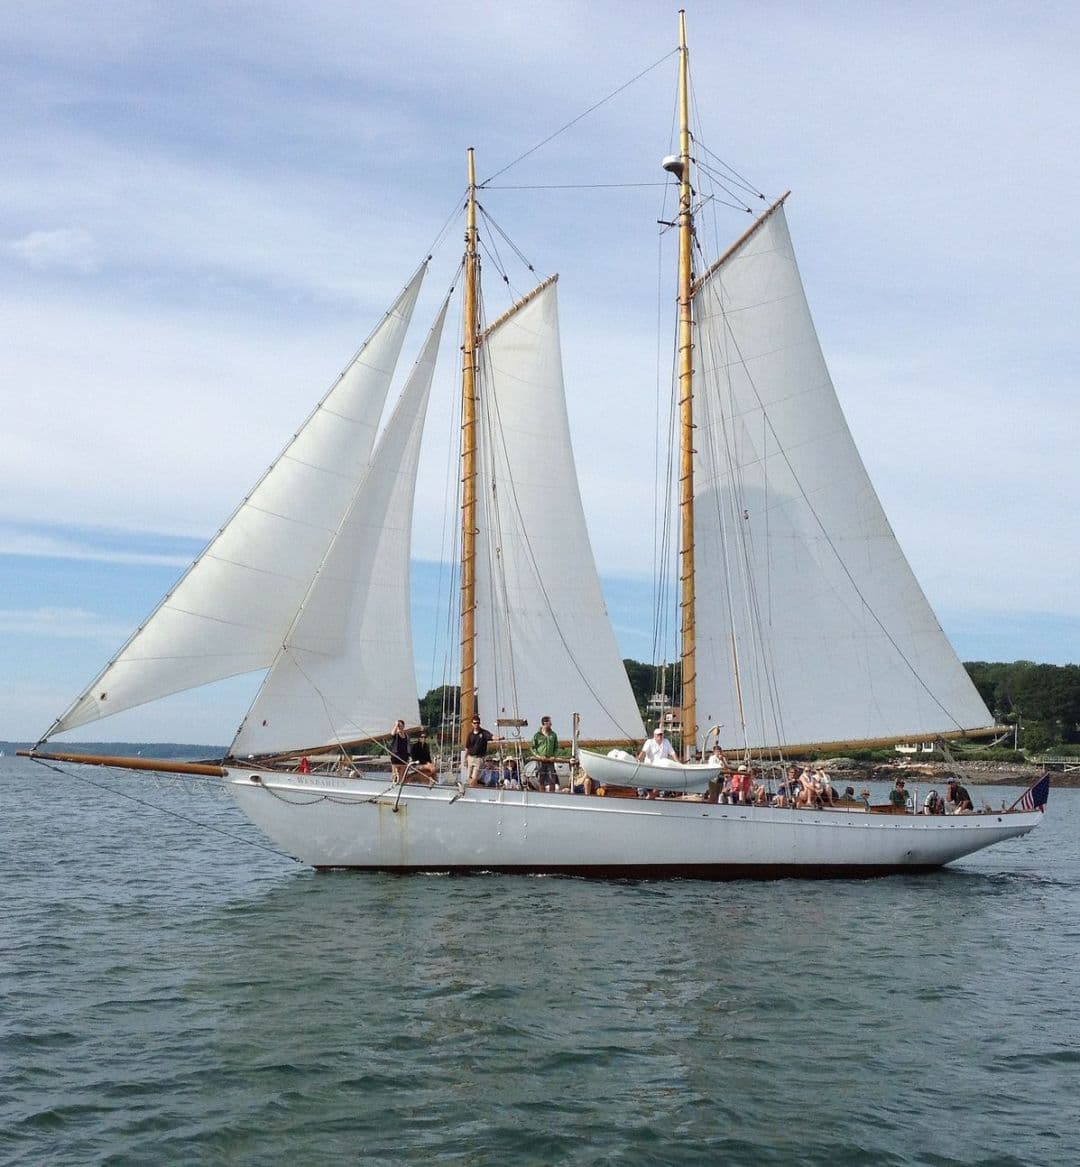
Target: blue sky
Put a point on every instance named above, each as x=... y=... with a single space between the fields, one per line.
x=206 y=206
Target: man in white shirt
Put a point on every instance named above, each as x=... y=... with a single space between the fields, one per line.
x=655 y=748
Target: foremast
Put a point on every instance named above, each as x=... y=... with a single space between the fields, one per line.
x=468 y=459
x=686 y=406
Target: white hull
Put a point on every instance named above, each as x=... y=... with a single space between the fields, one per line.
x=682 y=777
x=371 y=825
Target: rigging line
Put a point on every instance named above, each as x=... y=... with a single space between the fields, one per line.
x=361 y=735
x=495 y=226
x=670 y=545
x=496 y=562
x=755 y=623
x=665 y=571
x=580 y=116
x=723 y=184
x=494 y=545
x=736 y=176
x=665 y=630
x=659 y=468
x=735 y=523
x=492 y=252
x=709 y=198
x=336 y=799
x=446 y=554
x=458 y=207
x=657 y=460
x=164 y=810
x=715 y=198
x=669 y=626
x=731 y=170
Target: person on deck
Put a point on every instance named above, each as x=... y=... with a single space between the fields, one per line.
x=789 y=788
x=476 y=745
x=511 y=779
x=741 y=785
x=898 y=796
x=933 y=803
x=582 y=784
x=399 y=750
x=545 y=746
x=958 y=796
x=716 y=758
x=655 y=748
x=420 y=756
x=824 y=788
x=808 y=793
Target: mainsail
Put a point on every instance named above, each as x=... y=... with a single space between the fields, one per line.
x=345 y=670
x=544 y=641
x=231 y=610
x=801 y=582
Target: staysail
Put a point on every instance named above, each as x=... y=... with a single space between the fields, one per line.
x=801 y=582
x=345 y=671
x=544 y=641
x=232 y=608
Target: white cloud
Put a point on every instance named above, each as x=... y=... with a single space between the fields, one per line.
x=66 y=247
x=61 y=623
x=45 y=546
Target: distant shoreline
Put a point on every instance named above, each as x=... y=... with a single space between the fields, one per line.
x=978 y=773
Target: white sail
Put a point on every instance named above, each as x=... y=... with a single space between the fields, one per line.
x=544 y=641
x=231 y=610
x=346 y=671
x=799 y=576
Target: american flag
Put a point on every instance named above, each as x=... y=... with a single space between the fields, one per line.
x=1036 y=795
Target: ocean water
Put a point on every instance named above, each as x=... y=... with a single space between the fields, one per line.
x=173 y=994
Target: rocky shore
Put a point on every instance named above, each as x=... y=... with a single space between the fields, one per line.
x=979 y=773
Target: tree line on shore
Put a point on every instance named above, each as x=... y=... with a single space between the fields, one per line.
x=1042 y=702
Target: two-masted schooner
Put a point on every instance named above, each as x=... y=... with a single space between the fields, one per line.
x=802 y=624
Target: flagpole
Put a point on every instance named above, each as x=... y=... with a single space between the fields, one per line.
x=1044 y=777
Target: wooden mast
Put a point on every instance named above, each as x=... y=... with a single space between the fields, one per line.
x=468 y=461
x=686 y=407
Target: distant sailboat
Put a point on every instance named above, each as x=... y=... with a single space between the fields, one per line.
x=802 y=624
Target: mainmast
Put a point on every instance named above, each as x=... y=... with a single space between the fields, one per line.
x=686 y=405
x=468 y=461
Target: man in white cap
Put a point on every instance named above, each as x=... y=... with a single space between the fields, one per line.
x=655 y=748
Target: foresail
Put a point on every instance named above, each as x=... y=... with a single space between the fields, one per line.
x=800 y=579
x=544 y=641
x=345 y=670
x=230 y=611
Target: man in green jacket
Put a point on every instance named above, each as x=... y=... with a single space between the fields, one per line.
x=545 y=746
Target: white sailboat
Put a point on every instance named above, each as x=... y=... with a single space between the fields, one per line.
x=802 y=624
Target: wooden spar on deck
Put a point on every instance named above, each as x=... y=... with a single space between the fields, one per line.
x=468 y=463
x=161 y=766
x=686 y=409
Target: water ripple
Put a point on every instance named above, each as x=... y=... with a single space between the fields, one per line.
x=170 y=997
